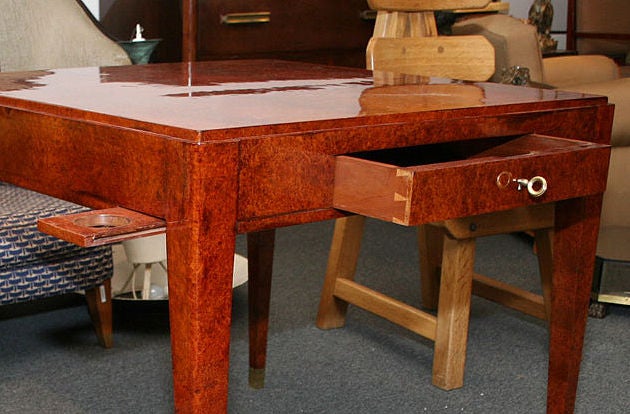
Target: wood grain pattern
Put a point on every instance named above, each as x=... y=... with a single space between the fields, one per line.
x=454 y=57
x=201 y=170
x=422 y=5
x=342 y=263
x=100 y=227
x=463 y=187
x=260 y=247
x=99 y=301
x=453 y=313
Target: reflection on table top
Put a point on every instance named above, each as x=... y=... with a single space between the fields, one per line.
x=210 y=96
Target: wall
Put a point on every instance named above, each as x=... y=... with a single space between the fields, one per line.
x=520 y=9
x=93 y=5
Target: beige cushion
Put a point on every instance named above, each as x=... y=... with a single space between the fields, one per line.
x=46 y=34
x=564 y=71
x=613 y=243
x=515 y=43
x=618 y=93
x=617 y=195
x=614 y=235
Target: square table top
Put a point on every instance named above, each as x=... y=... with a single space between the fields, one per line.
x=192 y=100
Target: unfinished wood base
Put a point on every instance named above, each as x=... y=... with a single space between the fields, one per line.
x=447 y=257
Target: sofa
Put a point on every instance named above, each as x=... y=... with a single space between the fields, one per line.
x=516 y=44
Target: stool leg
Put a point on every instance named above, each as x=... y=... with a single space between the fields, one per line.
x=146 y=286
x=453 y=313
x=99 y=301
x=260 y=247
x=342 y=263
x=430 y=246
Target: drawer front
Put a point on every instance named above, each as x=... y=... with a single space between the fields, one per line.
x=470 y=184
x=238 y=27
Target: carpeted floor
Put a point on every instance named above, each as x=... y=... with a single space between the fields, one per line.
x=50 y=361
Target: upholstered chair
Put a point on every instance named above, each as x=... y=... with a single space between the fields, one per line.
x=47 y=34
x=36 y=266
x=39 y=35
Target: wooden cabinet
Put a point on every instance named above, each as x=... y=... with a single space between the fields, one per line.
x=321 y=31
x=599 y=27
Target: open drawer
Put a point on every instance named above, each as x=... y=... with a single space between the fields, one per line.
x=428 y=183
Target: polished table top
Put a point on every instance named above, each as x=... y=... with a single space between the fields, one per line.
x=209 y=96
x=217 y=148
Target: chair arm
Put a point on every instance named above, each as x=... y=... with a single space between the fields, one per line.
x=565 y=71
x=53 y=34
x=618 y=93
x=614 y=233
x=615 y=220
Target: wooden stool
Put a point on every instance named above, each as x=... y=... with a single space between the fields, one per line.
x=407 y=47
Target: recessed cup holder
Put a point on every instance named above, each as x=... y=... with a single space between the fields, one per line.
x=102 y=221
x=100 y=227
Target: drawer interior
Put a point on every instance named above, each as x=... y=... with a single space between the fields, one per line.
x=499 y=147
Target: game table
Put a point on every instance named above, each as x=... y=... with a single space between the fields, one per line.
x=209 y=150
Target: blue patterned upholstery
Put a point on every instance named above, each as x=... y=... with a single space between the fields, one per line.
x=34 y=265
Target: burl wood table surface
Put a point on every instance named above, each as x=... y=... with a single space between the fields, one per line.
x=220 y=148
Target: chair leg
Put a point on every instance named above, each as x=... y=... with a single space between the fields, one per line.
x=342 y=263
x=430 y=245
x=544 y=247
x=99 y=301
x=453 y=313
x=260 y=247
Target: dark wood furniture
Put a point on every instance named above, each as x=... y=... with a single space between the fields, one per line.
x=220 y=148
x=598 y=26
x=321 y=31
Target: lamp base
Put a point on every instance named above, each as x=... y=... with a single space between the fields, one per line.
x=140 y=52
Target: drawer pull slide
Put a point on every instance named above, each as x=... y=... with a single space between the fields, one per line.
x=100 y=227
x=368 y=15
x=246 y=18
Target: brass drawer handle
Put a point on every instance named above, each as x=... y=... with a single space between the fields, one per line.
x=368 y=14
x=246 y=18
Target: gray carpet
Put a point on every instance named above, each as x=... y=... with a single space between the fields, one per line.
x=50 y=362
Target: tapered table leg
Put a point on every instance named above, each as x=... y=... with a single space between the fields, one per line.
x=260 y=247
x=200 y=239
x=574 y=243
